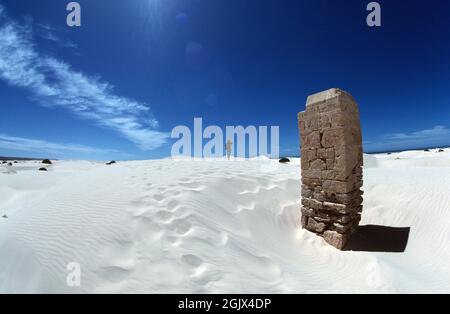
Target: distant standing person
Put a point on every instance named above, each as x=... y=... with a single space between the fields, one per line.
x=229 y=145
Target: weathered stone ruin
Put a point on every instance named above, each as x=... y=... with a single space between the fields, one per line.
x=331 y=162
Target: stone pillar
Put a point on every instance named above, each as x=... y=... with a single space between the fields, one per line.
x=331 y=162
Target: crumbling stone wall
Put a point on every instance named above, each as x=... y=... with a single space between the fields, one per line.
x=331 y=162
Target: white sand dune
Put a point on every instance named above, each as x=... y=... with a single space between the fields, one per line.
x=215 y=226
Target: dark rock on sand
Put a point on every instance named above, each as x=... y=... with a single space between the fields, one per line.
x=111 y=162
x=441 y=150
x=426 y=150
x=42 y=169
x=284 y=160
x=9 y=163
x=5 y=216
x=47 y=161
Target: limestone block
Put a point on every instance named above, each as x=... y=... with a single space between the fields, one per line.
x=338 y=240
x=315 y=226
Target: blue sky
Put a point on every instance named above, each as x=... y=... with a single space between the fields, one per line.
x=116 y=86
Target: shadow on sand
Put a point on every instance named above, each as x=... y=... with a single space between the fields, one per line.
x=372 y=238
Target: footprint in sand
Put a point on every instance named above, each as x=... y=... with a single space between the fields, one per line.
x=172 y=240
x=180 y=226
x=173 y=204
x=158 y=197
x=163 y=215
x=202 y=273
x=191 y=260
x=205 y=236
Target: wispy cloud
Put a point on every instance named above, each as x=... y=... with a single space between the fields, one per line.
x=435 y=136
x=438 y=131
x=53 y=82
x=49 y=33
x=32 y=145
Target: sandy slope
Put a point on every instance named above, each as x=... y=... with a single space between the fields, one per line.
x=214 y=226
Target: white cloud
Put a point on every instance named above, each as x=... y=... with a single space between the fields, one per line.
x=30 y=145
x=437 y=131
x=49 y=33
x=53 y=82
x=437 y=136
